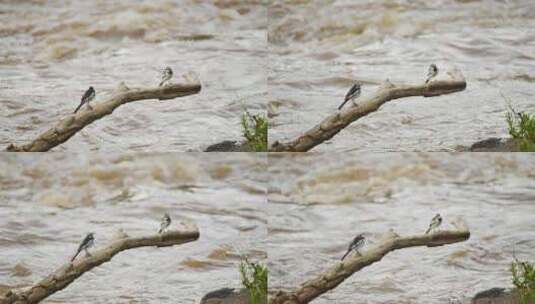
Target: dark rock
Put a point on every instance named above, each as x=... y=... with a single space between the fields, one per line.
x=228 y=146
x=492 y=144
x=491 y=293
x=226 y=296
x=497 y=296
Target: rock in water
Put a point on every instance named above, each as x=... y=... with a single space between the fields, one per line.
x=226 y=296
x=497 y=296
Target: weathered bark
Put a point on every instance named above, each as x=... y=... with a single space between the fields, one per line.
x=336 y=274
x=66 y=274
x=334 y=123
x=73 y=123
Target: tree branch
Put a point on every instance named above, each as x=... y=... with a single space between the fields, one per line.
x=335 y=275
x=334 y=123
x=73 y=123
x=66 y=274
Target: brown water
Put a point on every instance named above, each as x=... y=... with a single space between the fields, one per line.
x=318 y=203
x=48 y=203
x=305 y=54
x=317 y=48
x=52 y=51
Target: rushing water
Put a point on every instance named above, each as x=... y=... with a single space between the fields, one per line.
x=52 y=51
x=48 y=203
x=318 y=203
x=318 y=48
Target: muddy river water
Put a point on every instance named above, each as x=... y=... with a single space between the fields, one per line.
x=49 y=203
x=314 y=206
x=52 y=51
x=295 y=60
x=318 y=48
x=318 y=203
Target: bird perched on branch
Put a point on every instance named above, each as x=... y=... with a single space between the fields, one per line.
x=356 y=244
x=166 y=221
x=87 y=243
x=431 y=72
x=435 y=222
x=166 y=75
x=86 y=98
x=352 y=94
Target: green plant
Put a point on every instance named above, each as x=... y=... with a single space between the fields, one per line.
x=254 y=277
x=255 y=130
x=522 y=128
x=524 y=280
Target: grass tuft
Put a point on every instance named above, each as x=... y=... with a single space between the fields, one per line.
x=522 y=129
x=524 y=280
x=255 y=130
x=254 y=277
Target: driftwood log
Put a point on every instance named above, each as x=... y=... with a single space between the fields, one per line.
x=334 y=123
x=336 y=274
x=68 y=126
x=66 y=274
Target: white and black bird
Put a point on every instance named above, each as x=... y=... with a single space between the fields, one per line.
x=166 y=75
x=431 y=72
x=355 y=245
x=87 y=243
x=352 y=94
x=166 y=221
x=86 y=98
x=435 y=223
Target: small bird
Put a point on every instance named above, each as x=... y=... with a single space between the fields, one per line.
x=87 y=243
x=432 y=72
x=435 y=222
x=356 y=244
x=88 y=96
x=166 y=75
x=166 y=221
x=352 y=94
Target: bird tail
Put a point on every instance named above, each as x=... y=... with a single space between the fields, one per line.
x=428 y=229
x=343 y=103
x=345 y=255
x=160 y=230
x=161 y=83
x=427 y=80
x=74 y=257
x=78 y=108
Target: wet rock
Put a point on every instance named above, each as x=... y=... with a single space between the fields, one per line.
x=226 y=296
x=493 y=144
x=497 y=296
x=228 y=146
